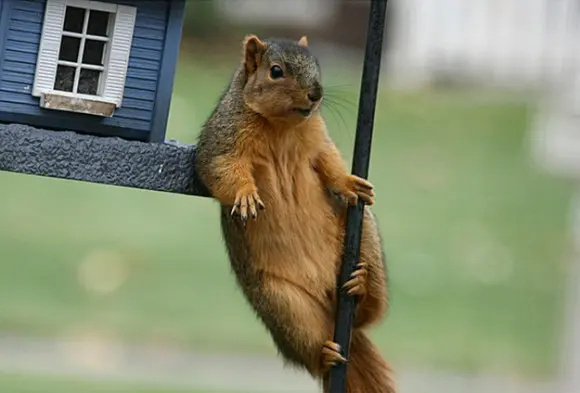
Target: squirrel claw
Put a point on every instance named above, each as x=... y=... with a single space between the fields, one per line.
x=246 y=203
x=357 y=284
x=331 y=355
x=356 y=187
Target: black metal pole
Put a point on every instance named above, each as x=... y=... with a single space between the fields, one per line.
x=360 y=167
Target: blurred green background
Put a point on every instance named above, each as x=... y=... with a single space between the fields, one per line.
x=475 y=233
x=27 y=383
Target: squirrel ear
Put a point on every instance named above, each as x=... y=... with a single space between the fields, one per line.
x=253 y=49
x=303 y=41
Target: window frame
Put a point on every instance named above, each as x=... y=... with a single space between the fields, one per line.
x=84 y=36
x=112 y=80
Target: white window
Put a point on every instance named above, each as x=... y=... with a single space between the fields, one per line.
x=83 y=56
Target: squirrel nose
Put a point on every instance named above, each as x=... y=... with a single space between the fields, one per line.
x=315 y=94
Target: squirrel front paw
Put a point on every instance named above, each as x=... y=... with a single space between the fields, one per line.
x=247 y=199
x=355 y=187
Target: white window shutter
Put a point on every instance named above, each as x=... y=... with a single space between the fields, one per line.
x=119 y=55
x=46 y=62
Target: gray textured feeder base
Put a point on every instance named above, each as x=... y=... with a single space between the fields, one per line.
x=167 y=167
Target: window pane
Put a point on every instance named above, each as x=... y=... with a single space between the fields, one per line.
x=98 y=23
x=65 y=77
x=69 y=49
x=74 y=19
x=93 y=52
x=89 y=82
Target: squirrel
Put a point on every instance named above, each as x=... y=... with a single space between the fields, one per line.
x=266 y=156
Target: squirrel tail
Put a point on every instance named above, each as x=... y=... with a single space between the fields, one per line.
x=367 y=371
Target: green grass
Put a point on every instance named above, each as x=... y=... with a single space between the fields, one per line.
x=475 y=235
x=19 y=383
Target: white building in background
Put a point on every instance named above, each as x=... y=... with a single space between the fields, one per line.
x=279 y=12
x=508 y=42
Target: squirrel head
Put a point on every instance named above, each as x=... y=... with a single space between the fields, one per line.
x=282 y=79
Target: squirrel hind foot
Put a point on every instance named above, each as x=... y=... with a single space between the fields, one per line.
x=330 y=356
x=357 y=285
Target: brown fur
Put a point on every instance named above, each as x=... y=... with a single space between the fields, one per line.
x=258 y=150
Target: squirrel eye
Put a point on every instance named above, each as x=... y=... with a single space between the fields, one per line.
x=276 y=72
